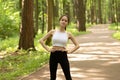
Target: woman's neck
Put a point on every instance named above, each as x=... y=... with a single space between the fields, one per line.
x=62 y=30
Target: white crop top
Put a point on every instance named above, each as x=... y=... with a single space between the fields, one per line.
x=59 y=39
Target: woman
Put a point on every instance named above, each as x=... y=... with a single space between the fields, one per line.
x=58 y=50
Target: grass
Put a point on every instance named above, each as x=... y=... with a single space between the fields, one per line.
x=23 y=62
x=117 y=35
x=9 y=44
x=115 y=27
x=18 y=65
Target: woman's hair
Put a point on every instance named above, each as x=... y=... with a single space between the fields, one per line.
x=66 y=16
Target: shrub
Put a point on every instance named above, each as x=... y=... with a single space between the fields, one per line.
x=9 y=19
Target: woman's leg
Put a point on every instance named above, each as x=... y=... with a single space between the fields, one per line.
x=53 y=66
x=65 y=65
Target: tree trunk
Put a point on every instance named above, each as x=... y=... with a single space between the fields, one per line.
x=66 y=7
x=99 y=12
x=56 y=8
x=50 y=19
x=54 y=15
x=113 y=11
x=50 y=14
x=26 y=40
x=92 y=12
x=20 y=5
x=80 y=14
x=73 y=9
x=43 y=17
x=36 y=17
x=117 y=11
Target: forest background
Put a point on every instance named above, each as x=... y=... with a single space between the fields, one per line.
x=24 y=22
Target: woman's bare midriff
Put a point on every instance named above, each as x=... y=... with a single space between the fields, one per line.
x=58 y=48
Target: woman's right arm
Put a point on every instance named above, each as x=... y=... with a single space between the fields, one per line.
x=42 y=40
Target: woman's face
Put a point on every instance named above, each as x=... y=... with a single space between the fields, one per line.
x=64 y=21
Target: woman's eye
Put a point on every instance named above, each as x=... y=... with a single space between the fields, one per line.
x=64 y=20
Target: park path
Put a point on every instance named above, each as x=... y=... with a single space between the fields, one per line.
x=97 y=59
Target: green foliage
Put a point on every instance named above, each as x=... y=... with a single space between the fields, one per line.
x=18 y=65
x=117 y=35
x=9 y=44
x=9 y=19
x=7 y=27
x=24 y=63
x=114 y=26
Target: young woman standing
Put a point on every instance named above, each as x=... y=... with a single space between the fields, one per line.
x=59 y=51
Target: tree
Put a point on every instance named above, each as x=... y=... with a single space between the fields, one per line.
x=43 y=17
x=93 y=11
x=93 y=17
x=99 y=12
x=112 y=7
x=56 y=8
x=117 y=6
x=118 y=10
x=66 y=7
x=26 y=40
x=50 y=14
x=80 y=7
x=36 y=17
x=55 y=12
x=50 y=18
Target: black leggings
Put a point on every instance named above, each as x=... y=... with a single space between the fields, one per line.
x=59 y=57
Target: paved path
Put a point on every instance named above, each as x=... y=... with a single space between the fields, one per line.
x=97 y=59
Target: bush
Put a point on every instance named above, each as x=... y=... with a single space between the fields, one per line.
x=9 y=19
x=117 y=35
x=7 y=27
x=115 y=27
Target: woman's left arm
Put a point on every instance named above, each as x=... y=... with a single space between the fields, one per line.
x=71 y=37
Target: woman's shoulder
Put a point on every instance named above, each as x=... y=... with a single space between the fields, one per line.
x=69 y=34
x=52 y=31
